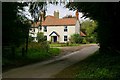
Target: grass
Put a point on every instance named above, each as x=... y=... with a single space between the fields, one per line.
x=63 y=44
x=99 y=65
x=54 y=51
x=34 y=55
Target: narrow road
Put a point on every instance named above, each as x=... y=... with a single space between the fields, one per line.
x=48 y=69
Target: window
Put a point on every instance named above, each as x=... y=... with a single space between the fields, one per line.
x=65 y=38
x=30 y=29
x=45 y=28
x=45 y=37
x=40 y=27
x=34 y=30
x=65 y=28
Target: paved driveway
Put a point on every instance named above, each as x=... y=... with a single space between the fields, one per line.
x=48 y=69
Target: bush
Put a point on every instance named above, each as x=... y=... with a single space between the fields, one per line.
x=84 y=41
x=76 y=38
x=41 y=51
x=36 y=52
x=30 y=39
x=90 y=39
x=41 y=37
x=42 y=46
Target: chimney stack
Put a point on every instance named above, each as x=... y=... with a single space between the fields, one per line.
x=77 y=14
x=56 y=14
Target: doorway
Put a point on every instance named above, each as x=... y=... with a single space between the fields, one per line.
x=54 y=38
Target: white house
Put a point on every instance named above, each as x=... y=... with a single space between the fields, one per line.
x=56 y=29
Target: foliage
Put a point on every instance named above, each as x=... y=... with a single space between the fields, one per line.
x=16 y=23
x=89 y=28
x=44 y=46
x=98 y=66
x=54 y=51
x=14 y=31
x=63 y=44
x=36 y=52
x=30 y=39
x=76 y=38
x=41 y=37
x=107 y=16
x=84 y=41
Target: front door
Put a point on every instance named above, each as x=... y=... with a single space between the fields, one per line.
x=55 y=38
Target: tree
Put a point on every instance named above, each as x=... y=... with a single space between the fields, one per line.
x=14 y=30
x=107 y=15
x=89 y=28
x=15 y=23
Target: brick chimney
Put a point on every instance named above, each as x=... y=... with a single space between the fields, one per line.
x=56 y=14
x=77 y=14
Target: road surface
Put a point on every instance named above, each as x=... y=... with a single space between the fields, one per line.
x=48 y=69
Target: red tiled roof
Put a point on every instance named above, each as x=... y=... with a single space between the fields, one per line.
x=52 y=21
x=82 y=34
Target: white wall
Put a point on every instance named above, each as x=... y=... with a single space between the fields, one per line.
x=77 y=27
x=58 y=29
x=34 y=33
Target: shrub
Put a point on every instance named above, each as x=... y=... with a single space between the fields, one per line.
x=41 y=37
x=42 y=46
x=30 y=39
x=76 y=38
x=90 y=39
x=84 y=41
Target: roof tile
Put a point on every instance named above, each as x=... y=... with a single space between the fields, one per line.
x=53 y=21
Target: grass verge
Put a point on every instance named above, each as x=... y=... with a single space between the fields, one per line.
x=33 y=56
x=97 y=66
x=63 y=44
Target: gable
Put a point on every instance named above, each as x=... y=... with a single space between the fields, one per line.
x=54 y=34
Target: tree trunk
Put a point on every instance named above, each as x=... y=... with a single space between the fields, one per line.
x=27 y=36
x=23 y=51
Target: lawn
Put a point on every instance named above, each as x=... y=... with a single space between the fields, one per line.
x=63 y=44
x=97 y=66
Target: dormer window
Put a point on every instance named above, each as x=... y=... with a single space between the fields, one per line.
x=65 y=29
x=45 y=28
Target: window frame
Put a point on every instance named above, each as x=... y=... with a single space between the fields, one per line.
x=65 y=38
x=65 y=28
x=45 y=28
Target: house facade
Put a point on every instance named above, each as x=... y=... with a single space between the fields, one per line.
x=55 y=29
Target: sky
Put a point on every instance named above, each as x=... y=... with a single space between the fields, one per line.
x=62 y=11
